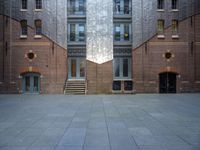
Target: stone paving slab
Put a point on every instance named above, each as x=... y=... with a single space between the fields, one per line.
x=100 y=122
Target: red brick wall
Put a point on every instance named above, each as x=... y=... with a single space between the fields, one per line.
x=148 y=60
x=50 y=61
x=99 y=78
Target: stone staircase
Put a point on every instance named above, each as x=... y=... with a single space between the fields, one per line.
x=75 y=87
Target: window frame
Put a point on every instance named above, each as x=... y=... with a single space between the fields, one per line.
x=175 y=27
x=160 y=4
x=36 y=5
x=121 y=68
x=26 y=5
x=24 y=28
x=79 y=36
x=176 y=5
x=38 y=27
x=160 y=31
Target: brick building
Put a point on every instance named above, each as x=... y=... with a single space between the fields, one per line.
x=99 y=46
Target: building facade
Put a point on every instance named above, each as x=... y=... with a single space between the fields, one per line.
x=99 y=46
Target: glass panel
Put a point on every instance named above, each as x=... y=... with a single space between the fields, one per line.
x=72 y=32
x=174 y=4
x=82 y=68
x=116 y=67
x=24 y=4
x=128 y=85
x=38 y=4
x=24 y=28
x=160 y=26
x=126 y=32
x=126 y=7
x=81 y=6
x=174 y=26
x=117 y=6
x=81 y=32
x=35 y=84
x=160 y=4
x=117 y=32
x=117 y=85
x=38 y=27
x=27 y=84
x=125 y=67
x=73 y=68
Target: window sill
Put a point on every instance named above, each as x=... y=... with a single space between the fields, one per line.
x=174 y=10
x=23 y=36
x=160 y=10
x=160 y=36
x=122 y=79
x=37 y=36
x=23 y=10
x=38 y=10
x=175 y=36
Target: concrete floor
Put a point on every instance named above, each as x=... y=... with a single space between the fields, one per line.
x=112 y=122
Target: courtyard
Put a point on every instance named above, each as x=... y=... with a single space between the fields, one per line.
x=100 y=122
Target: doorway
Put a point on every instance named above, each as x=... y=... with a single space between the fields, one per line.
x=31 y=83
x=76 y=68
x=167 y=81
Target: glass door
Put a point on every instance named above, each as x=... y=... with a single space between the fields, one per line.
x=76 y=68
x=31 y=83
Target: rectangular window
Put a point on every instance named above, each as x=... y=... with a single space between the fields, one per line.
x=117 y=85
x=128 y=85
x=117 y=67
x=24 y=28
x=117 y=32
x=174 y=4
x=38 y=27
x=160 y=4
x=122 y=68
x=38 y=4
x=174 y=26
x=122 y=32
x=122 y=7
x=76 y=32
x=76 y=7
x=24 y=4
x=160 y=27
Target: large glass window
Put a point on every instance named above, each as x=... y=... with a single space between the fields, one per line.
x=76 y=7
x=38 y=4
x=24 y=28
x=76 y=32
x=122 y=7
x=174 y=26
x=160 y=4
x=160 y=27
x=122 y=32
x=38 y=27
x=122 y=68
x=24 y=4
x=174 y=4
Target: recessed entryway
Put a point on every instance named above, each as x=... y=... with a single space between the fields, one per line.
x=167 y=82
x=31 y=83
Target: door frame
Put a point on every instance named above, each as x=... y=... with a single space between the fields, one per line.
x=31 y=75
x=159 y=82
x=78 y=63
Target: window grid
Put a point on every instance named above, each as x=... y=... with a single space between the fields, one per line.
x=38 y=27
x=24 y=29
x=174 y=27
x=174 y=4
x=160 y=4
x=160 y=27
x=23 y=4
x=38 y=4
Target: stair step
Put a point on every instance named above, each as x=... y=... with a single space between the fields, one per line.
x=75 y=87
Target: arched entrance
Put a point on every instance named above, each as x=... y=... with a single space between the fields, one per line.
x=167 y=82
x=31 y=83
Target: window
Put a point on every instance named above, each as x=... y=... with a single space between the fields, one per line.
x=76 y=7
x=38 y=4
x=122 y=68
x=175 y=27
x=160 y=4
x=24 y=4
x=128 y=85
x=24 y=28
x=76 y=32
x=160 y=27
x=117 y=85
x=122 y=32
x=38 y=27
x=174 y=4
x=122 y=7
